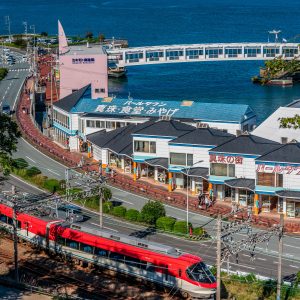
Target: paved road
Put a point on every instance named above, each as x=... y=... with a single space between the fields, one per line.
x=265 y=263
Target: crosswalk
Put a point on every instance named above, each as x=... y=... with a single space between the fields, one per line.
x=21 y=69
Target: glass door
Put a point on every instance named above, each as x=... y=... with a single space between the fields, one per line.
x=290 y=209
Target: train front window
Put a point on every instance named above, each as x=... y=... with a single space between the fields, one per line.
x=200 y=273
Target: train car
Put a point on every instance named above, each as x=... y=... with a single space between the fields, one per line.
x=154 y=262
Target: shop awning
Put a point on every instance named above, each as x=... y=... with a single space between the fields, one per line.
x=289 y=194
x=241 y=183
x=196 y=172
x=161 y=162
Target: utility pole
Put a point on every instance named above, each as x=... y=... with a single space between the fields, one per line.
x=7 y=23
x=15 y=237
x=100 y=207
x=218 y=294
x=280 y=247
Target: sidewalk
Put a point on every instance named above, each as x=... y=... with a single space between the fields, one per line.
x=126 y=182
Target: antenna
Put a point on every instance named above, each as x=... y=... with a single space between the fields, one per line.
x=275 y=32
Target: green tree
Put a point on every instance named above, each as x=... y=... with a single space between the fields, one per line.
x=290 y=122
x=151 y=211
x=101 y=37
x=9 y=135
x=107 y=194
x=89 y=35
x=19 y=42
x=44 y=33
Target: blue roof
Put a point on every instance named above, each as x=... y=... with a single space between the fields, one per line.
x=209 y=112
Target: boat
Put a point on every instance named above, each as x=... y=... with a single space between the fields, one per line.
x=115 y=71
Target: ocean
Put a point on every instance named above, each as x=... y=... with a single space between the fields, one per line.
x=159 y=22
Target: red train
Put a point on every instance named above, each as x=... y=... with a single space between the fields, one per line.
x=155 y=262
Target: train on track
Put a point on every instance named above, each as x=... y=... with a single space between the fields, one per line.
x=137 y=257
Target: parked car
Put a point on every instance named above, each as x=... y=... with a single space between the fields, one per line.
x=6 y=109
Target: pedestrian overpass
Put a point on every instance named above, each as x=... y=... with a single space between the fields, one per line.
x=124 y=57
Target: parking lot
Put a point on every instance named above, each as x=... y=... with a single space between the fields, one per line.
x=10 y=58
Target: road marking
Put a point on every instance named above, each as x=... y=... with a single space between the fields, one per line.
x=30 y=159
x=28 y=183
x=286 y=245
x=275 y=262
x=261 y=259
x=53 y=172
x=44 y=154
x=123 y=200
x=105 y=227
x=247 y=255
x=292 y=266
x=17 y=97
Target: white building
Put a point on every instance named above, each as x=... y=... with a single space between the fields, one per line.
x=270 y=128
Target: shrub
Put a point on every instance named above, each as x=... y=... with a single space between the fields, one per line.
x=199 y=231
x=119 y=211
x=20 y=172
x=52 y=185
x=132 y=214
x=33 y=171
x=92 y=202
x=140 y=218
x=20 y=163
x=180 y=227
x=107 y=194
x=107 y=207
x=39 y=180
x=165 y=223
x=151 y=211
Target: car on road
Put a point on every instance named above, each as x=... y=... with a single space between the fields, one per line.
x=6 y=109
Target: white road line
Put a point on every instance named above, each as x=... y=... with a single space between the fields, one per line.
x=30 y=159
x=105 y=227
x=17 y=97
x=53 y=172
x=275 y=262
x=286 y=245
x=123 y=200
x=247 y=255
x=292 y=266
x=44 y=154
x=33 y=186
x=259 y=258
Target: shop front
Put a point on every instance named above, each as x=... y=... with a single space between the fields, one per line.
x=290 y=203
x=197 y=179
x=240 y=191
x=157 y=169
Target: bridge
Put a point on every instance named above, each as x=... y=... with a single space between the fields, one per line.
x=202 y=52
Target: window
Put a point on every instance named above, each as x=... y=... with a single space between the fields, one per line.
x=101 y=252
x=72 y=244
x=74 y=90
x=270 y=179
x=145 y=146
x=284 y=140
x=98 y=91
x=200 y=273
x=222 y=169
x=181 y=159
x=90 y=123
x=61 y=119
x=86 y=248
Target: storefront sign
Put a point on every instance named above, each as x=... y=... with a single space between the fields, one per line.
x=278 y=169
x=238 y=160
x=138 y=108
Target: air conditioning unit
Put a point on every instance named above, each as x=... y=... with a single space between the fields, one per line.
x=201 y=125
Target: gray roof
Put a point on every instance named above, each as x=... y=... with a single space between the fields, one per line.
x=295 y=104
x=247 y=144
x=68 y=102
x=165 y=128
x=242 y=183
x=84 y=50
x=289 y=194
x=196 y=172
x=289 y=153
x=158 y=162
x=118 y=140
x=204 y=136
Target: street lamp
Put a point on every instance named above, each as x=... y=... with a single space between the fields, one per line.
x=187 y=194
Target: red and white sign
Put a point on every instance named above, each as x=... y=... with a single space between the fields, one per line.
x=238 y=160
x=278 y=169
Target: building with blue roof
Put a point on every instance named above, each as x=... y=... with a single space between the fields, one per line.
x=78 y=115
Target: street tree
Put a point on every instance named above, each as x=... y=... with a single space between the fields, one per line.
x=101 y=37
x=9 y=135
x=44 y=33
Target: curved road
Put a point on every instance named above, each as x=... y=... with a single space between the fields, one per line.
x=265 y=262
